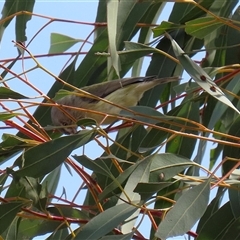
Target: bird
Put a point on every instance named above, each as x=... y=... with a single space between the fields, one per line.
x=125 y=92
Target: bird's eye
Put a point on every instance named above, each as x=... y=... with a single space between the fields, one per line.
x=64 y=123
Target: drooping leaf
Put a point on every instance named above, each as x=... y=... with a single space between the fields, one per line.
x=29 y=228
x=140 y=174
x=118 y=181
x=104 y=222
x=12 y=6
x=118 y=237
x=58 y=234
x=185 y=213
x=216 y=231
x=235 y=200
x=8 y=212
x=22 y=19
x=44 y=158
x=200 y=76
x=12 y=144
x=112 y=17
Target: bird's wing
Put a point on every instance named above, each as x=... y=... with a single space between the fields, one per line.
x=104 y=89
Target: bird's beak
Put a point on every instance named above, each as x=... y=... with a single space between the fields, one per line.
x=69 y=131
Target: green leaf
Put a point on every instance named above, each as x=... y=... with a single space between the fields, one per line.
x=219 y=110
x=112 y=17
x=167 y=165
x=29 y=228
x=200 y=76
x=44 y=158
x=67 y=211
x=164 y=27
x=58 y=234
x=231 y=151
x=8 y=9
x=51 y=181
x=212 y=208
x=22 y=19
x=32 y=188
x=140 y=174
x=233 y=230
x=234 y=197
x=98 y=166
x=62 y=93
x=6 y=116
x=12 y=144
x=6 y=93
x=11 y=231
x=12 y=6
x=61 y=43
x=146 y=189
x=3 y=179
x=181 y=145
x=104 y=222
x=201 y=27
x=185 y=213
x=117 y=182
x=8 y=212
x=213 y=231
x=118 y=237
x=153 y=138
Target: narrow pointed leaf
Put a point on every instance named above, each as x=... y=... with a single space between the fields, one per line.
x=167 y=165
x=61 y=43
x=200 y=76
x=146 y=189
x=112 y=17
x=210 y=230
x=45 y=157
x=8 y=212
x=164 y=27
x=6 y=116
x=140 y=174
x=118 y=237
x=234 y=197
x=6 y=93
x=105 y=222
x=96 y=166
x=117 y=181
x=185 y=213
x=30 y=228
x=22 y=19
x=201 y=27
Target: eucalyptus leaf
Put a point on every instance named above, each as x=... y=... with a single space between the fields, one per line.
x=185 y=213
x=44 y=158
x=61 y=43
x=8 y=212
x=6 y=93
x=200 y=76
x=103 y=223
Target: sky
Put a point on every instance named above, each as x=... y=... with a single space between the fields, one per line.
x=84 y=11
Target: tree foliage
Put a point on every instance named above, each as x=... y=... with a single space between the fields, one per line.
x=155 y=168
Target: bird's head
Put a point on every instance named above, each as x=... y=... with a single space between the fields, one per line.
x=59 y=118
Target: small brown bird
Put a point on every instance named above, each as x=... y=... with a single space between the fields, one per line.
x=124 y=92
